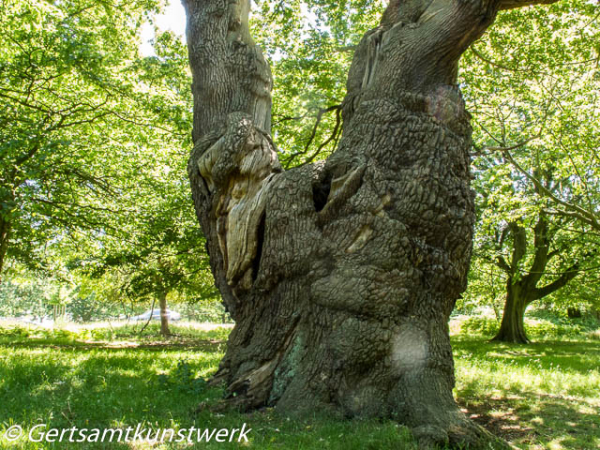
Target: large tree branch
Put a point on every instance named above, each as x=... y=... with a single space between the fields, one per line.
x=231 y=74
x=562 y=281
x=234 y=157
x=513 y=4
x=541 y=248
x=502 y=264
x=519 y=244
x=573 y=210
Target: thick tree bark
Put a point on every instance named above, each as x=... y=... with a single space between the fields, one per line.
x=341 y=275
x=164 y=319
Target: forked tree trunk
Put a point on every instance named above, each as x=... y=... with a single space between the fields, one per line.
x=164 y=318
x=341 y=275
x=522 y=288
x=512 y=326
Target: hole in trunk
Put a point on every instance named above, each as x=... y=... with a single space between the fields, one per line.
x=321 y=189
x=260 y=237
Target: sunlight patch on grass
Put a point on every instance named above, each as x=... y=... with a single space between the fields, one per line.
x=537 y=390
x=539 y=396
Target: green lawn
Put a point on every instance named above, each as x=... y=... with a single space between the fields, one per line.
x=544 y=395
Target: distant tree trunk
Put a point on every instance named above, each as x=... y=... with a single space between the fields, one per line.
x=341 y=275
x=164 y=319
x=4 y=239
x=521 y=289
x=512 y=327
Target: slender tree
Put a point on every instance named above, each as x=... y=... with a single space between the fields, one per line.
x=157 y=256
x=341 y=275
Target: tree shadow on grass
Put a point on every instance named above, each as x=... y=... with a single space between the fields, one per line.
x=524 y=421
x=574 y=356
x=532 y=415
x=99 y=387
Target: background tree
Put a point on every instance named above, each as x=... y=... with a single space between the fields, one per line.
x=161 y=257
x=158 y=252
x=536 y=133
x=529 y=271
x=341 y=275
x=76 y=125
x=24 y=296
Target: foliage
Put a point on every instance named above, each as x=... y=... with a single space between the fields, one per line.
x=310 y=46
x=117 y=222
x=159 y=249
x=33 y=295
x=24 y=297
x=88 y=308
x=75 y=126
x=532 y=85
x=163 y=252
x=99 y=193
x=182 y=379
x=204 y=311
x=533 y=80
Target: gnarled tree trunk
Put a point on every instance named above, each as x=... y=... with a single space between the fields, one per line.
x=341 y=275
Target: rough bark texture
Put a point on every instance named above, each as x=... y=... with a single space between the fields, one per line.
x=341 y=275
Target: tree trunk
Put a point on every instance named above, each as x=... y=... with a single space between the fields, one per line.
x=164 y=319
x=341 y=275
x=521 y=293
x=512 y=327
x=574 y=312
x=4 y=239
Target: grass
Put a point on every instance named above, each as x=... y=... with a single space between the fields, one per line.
x=544 y=395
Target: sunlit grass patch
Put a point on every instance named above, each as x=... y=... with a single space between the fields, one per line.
x=544 y=395
x=65 y=384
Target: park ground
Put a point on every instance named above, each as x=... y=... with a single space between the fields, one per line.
x=545 y=395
